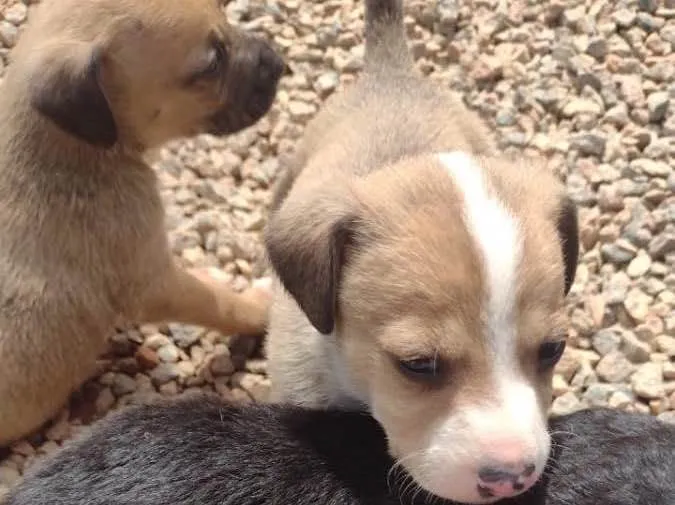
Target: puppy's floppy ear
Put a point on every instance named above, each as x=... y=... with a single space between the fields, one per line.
x=65 y=86
x=568 y=231
x=307 y=244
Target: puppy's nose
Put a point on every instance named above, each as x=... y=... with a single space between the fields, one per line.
x=270 y=65
x=496 y=474
x=496 y=481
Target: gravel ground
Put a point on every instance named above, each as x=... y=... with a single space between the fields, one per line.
x=591 y=84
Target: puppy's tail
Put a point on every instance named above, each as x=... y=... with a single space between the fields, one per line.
x=386 y=45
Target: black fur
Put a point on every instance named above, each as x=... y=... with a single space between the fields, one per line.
x=604 y=457
x=311 y=273
x=568 y=231
x=201 y=451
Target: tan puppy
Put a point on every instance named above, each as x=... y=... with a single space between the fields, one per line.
x=93 y=84
x=422 y=277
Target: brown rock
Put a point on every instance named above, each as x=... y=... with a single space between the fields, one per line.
x=147 y=358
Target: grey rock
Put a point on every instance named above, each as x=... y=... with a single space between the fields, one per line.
x=666 y=344
x=606 y=341
x=16 y=14
x=105 y=401
x=326 y=83
x=635 y=350
x=566 y=404
x=648 y=5
x=185 y=336
x=624 y=18
x=597 y=395
x=617 y=254
x=621 y=400
x=647 y=381
x=662 y=245
x=616 y=288
x=667 y=417
x=168 y=353
x=9 y=34
x=590 y=143
x=657 y=104
x=578 y=106
x=165 y=372
x=123 y=384
x=301 y=111
x=614 y=367
x=506 y=117
x=157 y=340
x=9 y=476
x=639 y=266
x=598 y=48
x=255 y=385
x=651 y=167
x=618 y=115
x=221 y=363
x=637 y=304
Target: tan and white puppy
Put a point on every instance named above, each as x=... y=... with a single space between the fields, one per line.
x=92 y=85
x=422 y=277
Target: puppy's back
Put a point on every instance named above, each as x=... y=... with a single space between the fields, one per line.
x=202 y=451
x=199 y=450
x=607 y=457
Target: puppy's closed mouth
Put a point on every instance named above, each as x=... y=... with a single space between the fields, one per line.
x=253 y=93
x=230 y=121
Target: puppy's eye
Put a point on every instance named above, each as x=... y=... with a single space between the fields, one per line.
x=550 y=353
x=214 y=63
x=216 y=60
x=421 y=368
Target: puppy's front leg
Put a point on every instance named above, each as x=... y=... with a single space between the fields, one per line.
x=197 y=297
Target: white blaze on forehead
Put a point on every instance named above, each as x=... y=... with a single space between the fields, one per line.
x=495 y=232
x=497 y=236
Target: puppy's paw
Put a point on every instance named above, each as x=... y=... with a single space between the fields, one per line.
x=210 y=274
x=259 y=300
x=246 y=312
x=264 y=284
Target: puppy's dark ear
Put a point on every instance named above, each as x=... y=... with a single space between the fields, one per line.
x=307 y=246
x=65 y=87
x=568 y=231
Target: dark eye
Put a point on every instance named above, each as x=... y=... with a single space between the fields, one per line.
x=213 y=63
x=421 y=368
x=216 y=59
x=550 y=353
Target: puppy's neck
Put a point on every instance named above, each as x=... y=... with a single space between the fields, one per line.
x=35 y=143
x=346 y=394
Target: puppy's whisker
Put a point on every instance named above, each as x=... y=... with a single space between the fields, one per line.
x=570 y=433
x=398 y=470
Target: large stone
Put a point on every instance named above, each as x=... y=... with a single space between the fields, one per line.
x=637 y=305
x=635 y=350
x=566 y=404
x=614 y=367
x=606 y=340
x=657 y=104
x=647 y=381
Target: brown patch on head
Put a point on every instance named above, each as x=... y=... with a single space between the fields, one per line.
x=144 y=72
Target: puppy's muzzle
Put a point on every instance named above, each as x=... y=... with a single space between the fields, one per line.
x=251 y=86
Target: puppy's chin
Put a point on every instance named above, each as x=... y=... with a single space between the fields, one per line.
x=232 y=119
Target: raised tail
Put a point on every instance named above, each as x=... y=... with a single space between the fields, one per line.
x=386 y=44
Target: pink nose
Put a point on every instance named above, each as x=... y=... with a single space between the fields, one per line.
x=502 y=482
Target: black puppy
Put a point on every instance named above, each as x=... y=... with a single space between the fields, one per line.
x=199 y=450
